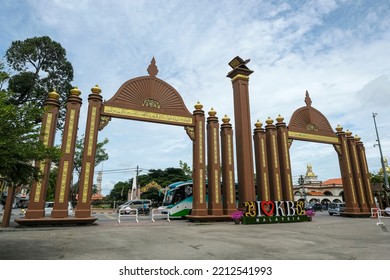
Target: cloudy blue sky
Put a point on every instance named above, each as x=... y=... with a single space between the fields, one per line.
x=338 y=50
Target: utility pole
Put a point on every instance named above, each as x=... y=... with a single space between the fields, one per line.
x=380 y=151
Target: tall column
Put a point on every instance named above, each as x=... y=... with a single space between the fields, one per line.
x=83 y=209
x=284 y=159
x=213 y=165
x=228 y=184
x=361 y=155
x=262 y=180
x=199 y=206
x=38 y=191
x=244 y=153
x=273 y=161
x=351 y=203
x=65 y=168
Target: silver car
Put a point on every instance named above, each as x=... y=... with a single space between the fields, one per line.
x=336 y=208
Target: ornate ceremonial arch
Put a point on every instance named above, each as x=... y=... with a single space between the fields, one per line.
x=150 y=99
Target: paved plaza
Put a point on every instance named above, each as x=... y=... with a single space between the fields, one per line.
x=325 y=238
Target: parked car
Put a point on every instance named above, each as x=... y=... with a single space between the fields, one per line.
x=49 y=207
x=134 y=204
x=314 y=206
x=336 y=208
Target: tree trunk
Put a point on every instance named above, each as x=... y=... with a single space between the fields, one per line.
x=8 y=207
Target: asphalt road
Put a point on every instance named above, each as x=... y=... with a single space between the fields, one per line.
x=325 y=238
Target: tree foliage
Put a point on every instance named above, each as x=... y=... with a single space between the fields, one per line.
x=38 y=66
x=101 y=155
x=19 y=142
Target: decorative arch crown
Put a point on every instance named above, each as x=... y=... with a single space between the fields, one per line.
x=309 y=121
x=140 y=97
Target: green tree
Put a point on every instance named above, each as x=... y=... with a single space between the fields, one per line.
x=19 y=142
x=186 y=169
x=38 y=66
x=101 y=156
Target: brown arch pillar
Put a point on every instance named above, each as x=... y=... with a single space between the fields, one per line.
x=213 y=165
x=357 y=176
x=65 y=168
x=244 y=153
x=228 y=185
x=351 y=203
x=273 y=161
x=262 y=181
x=361 y=154
x=284 y=159
x=83 y=209
x=38 y=191
x=199 y=207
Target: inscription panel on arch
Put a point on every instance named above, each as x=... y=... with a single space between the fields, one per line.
x=151 y=116
x=313 y=137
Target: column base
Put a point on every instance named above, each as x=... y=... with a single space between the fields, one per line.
x=34 y=214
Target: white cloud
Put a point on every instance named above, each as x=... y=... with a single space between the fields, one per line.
x=337 y=50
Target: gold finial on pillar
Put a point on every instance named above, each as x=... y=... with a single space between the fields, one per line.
x=53 y=94
x=258 y=124
x=198 y=106
x=339 y=128
x=348 y=133
x=75 y=91
x=357 y=137
x=96 y=89
x=226 y=119
x=279 y=119
x=212 y=113
x=269 y=121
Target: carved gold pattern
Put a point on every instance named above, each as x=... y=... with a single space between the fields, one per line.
x=70 y=131
x=91 y=131
x=148 y=115
x=240 y=77
x=262 y=152
x=104 y=120
x=216 y=181
x=201 y=198
x=338 y=149
x=49 y=120
x=230 y=155
x=38 y=189
x=231 y=186
x=278 y=186
x=290 y=185
x=152 y=103
x=215 y=139
x=311 y=127
x=361 y=190
x=286 y=150
x=63 y=181
x=86 y=181
x=200 y=131
x=266 y=186
x=275 y=154
x=190 y=132
x=307 y=136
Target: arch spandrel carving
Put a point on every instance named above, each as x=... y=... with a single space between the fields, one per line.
x=307 y=123
x=148 y=98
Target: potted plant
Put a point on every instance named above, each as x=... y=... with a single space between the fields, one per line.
x=236 y=216
x=310 y=213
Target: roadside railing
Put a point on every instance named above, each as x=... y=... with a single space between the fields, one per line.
x=128 y=213
x=158 y=212
x=377 y=213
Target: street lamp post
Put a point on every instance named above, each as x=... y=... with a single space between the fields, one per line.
x=381 y=154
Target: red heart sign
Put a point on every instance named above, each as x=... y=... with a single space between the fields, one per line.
x=271 y=207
